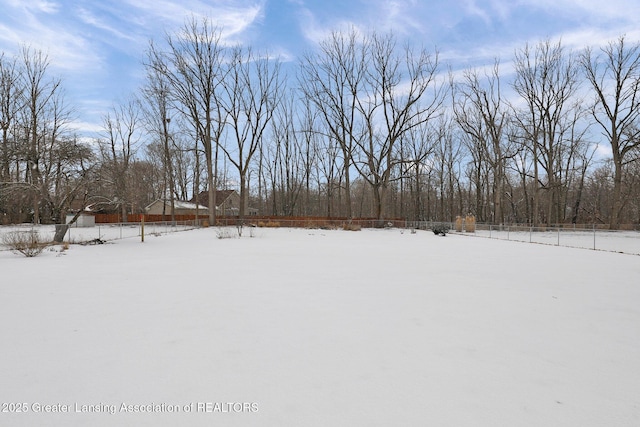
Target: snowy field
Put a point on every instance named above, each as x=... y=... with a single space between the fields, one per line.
x=296 y=327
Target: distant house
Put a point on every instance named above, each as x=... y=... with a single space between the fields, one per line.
x=163 y=207
x=227 y=202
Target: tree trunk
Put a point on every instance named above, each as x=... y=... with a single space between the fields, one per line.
x=616 y=208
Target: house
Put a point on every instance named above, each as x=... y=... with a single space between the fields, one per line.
x=163 y=207
x=227 y=202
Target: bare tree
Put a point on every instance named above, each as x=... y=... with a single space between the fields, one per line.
x=395 y=100
x=39 y=91
x=614 y=75
x=122 y=139
x=482 y=113
x=40 y=156
x=547 y=80
x=156 y=95
x=64 y=159
x=332 y=81
x=252 y=92
x=291 y=153
x=72 y=177
x=193 y=67
x=418 y=146
x=446 y=163
x=10 y=103
x=309 y=144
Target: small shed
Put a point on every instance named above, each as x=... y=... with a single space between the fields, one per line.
x=84 y=220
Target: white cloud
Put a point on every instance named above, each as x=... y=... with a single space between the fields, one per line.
x=89 y=18
x=10 y=37
x=46 y=6
x=232 y=16
x=618 y=9
x=315 y=32
x=399 y=16
x=43 y=6
x=234 y=21
x=66 y=50
x=471 y=8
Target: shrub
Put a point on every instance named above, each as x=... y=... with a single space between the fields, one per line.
x=224 y=233
x=27 y=243
x=470 y=224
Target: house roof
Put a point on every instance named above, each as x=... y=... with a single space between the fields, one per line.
x=221 y=197
x=180 y=204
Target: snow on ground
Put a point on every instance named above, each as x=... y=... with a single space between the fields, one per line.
x=320 y=328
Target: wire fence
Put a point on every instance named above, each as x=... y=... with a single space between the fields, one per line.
x=569 y=236
x=101 y=233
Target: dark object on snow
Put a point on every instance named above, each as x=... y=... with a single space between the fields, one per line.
x=440 y=229
x=94 y=242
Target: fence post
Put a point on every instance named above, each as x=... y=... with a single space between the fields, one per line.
x=594 y=237
x=558 y=236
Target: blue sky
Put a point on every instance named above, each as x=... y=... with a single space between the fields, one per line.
x=97 y=46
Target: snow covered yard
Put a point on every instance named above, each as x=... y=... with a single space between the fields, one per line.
x=320 y=328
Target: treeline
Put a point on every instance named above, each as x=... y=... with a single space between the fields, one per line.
x=360 y=127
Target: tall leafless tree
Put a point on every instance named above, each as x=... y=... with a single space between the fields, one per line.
x=156 y=94
x=39 y=91
x=252 y=90
x=547 y=80
x=122 y=128
x=614 y=75
x=401 y=92
x=289 y=154
x=418 y=145
x=333 y=81
x=193 y=66
x=11 y=101
x=482 y=113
